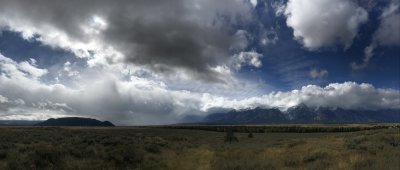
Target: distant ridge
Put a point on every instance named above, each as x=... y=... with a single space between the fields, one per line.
x=19 y=122
x=74 y=121
x=304 y=114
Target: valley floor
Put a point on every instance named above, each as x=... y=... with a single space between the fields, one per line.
x=162 y=148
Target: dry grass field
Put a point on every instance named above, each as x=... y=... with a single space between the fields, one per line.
x=172 y=148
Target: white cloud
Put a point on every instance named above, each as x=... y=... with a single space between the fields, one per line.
x=254 y=3
x=318 y=74
x=250 y=58
x=241 y=40
x=21 y=69
x=368 y=53
x=3 y=99
x=279 y=7
x=69 y=71
x=388 y=34
x=322 y=23
x=269 y=37
x=31 y=69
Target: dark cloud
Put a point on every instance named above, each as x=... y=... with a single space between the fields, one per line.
x=176 y=43
x=162 y=35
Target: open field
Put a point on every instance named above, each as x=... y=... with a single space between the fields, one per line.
x=173 y=148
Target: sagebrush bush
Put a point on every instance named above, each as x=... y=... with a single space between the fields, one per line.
x=315 y=156
x=364 y=164
x=290 y=162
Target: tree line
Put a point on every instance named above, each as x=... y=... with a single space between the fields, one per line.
x=279 y=129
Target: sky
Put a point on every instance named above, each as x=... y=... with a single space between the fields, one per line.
x=161 y=62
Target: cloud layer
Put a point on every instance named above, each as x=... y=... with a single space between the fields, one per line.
x=348 y=95
x=137 y=100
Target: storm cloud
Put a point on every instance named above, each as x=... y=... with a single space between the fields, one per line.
x=161 y=35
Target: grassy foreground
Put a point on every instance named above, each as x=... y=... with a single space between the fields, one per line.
x=166 y=148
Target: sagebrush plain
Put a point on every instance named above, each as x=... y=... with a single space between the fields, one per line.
x=180 y=148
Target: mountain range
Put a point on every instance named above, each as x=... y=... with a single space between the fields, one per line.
x=304 y=114
x=19 y=122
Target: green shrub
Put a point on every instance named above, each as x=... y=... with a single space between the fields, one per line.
x=290 y=162
x=354 y=143
x=250 y=135
x=314 y=156
x=364 y=164
x=3 y=154
x=16 y=161
x=152 y=148
x=126 y=156
x=320 y=164
x=45 y=157
x=391 y=140
x=295 y=143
